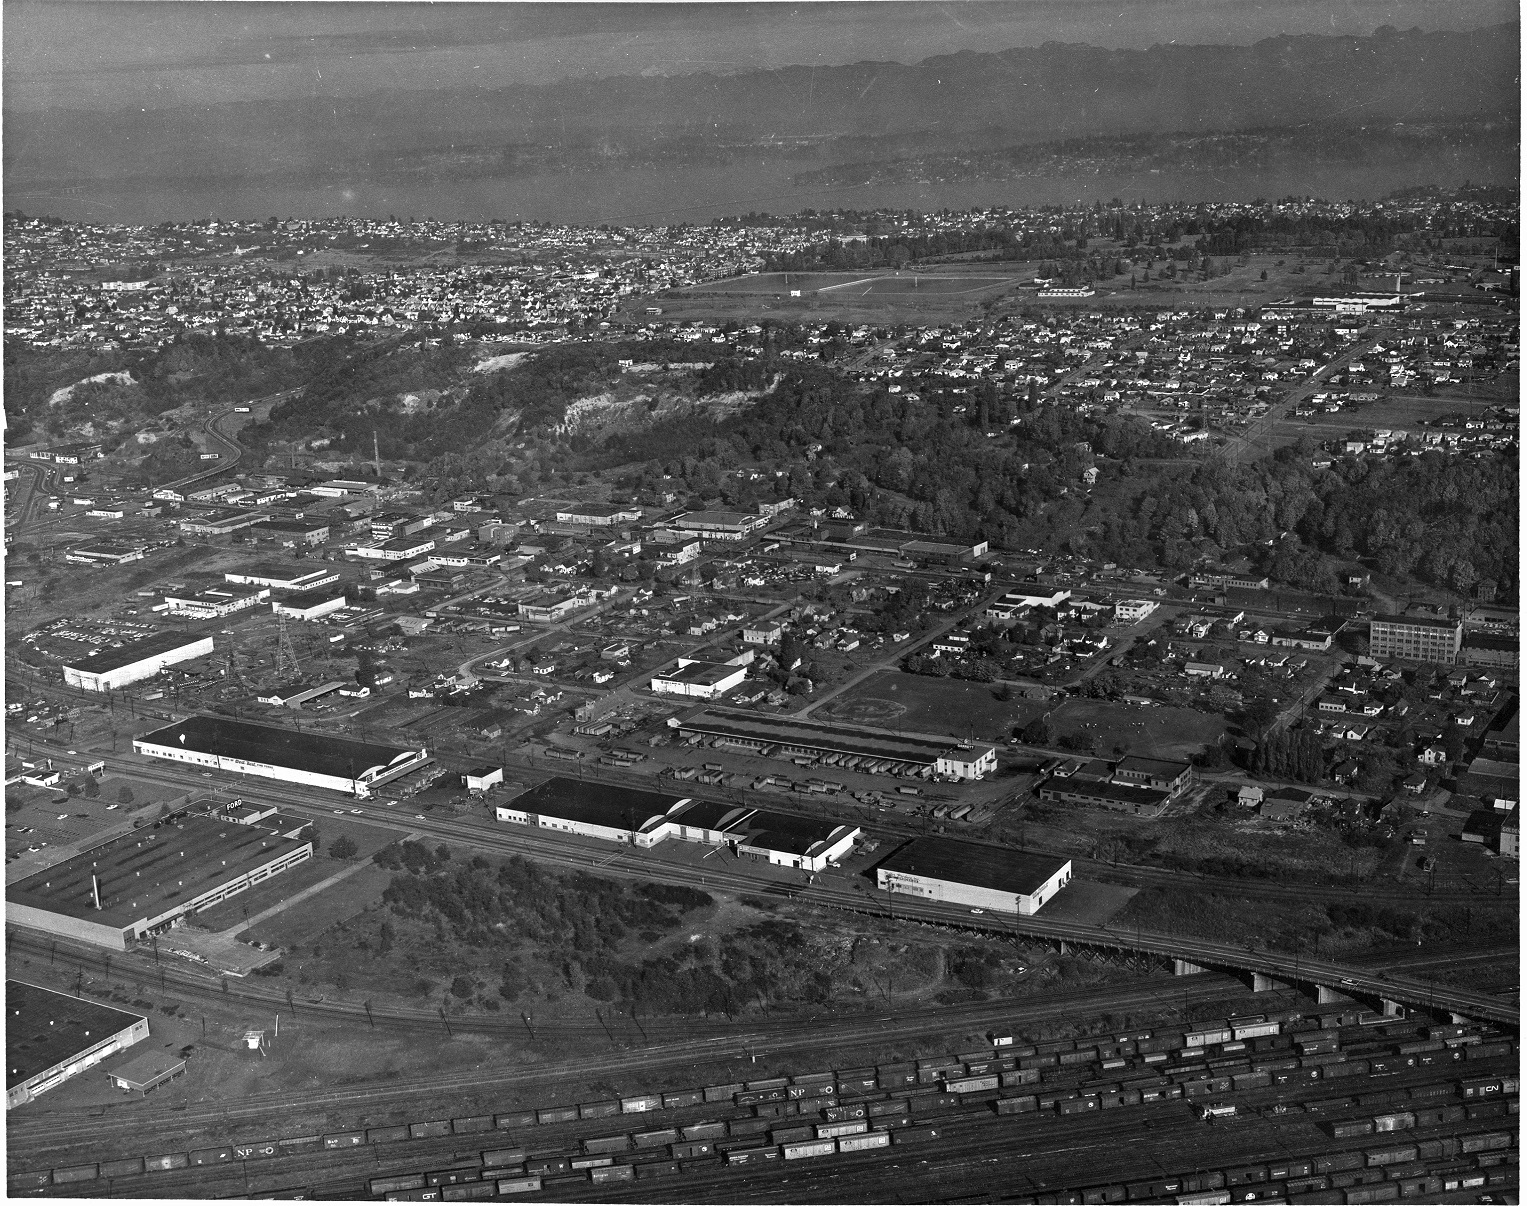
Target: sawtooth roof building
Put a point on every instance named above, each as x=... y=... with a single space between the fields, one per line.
x=312 y=759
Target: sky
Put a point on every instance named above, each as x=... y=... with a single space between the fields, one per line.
x=117 y=54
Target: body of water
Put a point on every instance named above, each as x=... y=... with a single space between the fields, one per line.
x=645 y=196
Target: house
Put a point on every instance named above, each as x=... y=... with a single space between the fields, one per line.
x=1250 y=796
x=1344 y=771
x=1204 y=670
x=1432 y=755
x=1415 y=783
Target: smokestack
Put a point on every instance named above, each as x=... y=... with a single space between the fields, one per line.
x=95 y=890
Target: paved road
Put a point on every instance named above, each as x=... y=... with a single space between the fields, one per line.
x=855 y=896
x=1245 y=445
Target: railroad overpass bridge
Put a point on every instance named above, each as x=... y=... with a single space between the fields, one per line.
x=1268 y=968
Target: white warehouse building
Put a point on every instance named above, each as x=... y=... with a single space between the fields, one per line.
x=112 y=669
x=967 y=873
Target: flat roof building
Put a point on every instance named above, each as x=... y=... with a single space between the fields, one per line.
x=281 y=577
x=216 y=603
x=112 y=669
x=148 y=879
x=858 y=748
x=1124 y=797
x=968 y=873
x=599 y=515
x=310 y=604
x=589 y=809
x=1415 y=639
x=313 y=759
x=720 y=525
x=699 y=680
x=51 y=1036
x=644 y=818
x=147 y=1072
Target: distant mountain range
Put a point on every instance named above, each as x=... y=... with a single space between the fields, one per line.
x=862 y=112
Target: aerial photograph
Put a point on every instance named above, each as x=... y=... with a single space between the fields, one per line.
x=762 y=602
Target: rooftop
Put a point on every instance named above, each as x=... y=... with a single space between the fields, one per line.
x=114 y=659
x=45 y=1028
x=786 y=832
x=589 y=803
x=839 y=738
x=146 y=872
x=980 y=866
x=1419 y=621
x=317 y=753
x=701 y=673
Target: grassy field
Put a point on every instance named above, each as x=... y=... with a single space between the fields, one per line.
x=921 y=704
x=1152 y=732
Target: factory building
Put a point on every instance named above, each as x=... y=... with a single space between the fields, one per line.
x=1122 y=797
x=967 y=873
x=112 y=669
x=215 y=603
x=281 y=577
x=312 y=759
x=720 y=525
x=699 y=680
x=1415 y=639
x=148 y=880
x=597 y=810
x=849 y=746
x=311 y=604
x=51 y=1036
x=643 y=819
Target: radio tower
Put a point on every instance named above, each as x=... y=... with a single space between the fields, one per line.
x=287 y=665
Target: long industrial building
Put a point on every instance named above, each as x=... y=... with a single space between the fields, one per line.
x=967 y=873
x=112 y=669
x=312 y=759
x=643 y=819
x=51 y=1036
x=844 y=745
x=147 y=880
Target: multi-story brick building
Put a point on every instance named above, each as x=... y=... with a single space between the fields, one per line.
x=1415 y=639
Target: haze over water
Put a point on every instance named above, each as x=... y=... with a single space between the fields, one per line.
x=662 y=196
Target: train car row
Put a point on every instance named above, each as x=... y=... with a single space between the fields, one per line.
x=859 y=1127
x=1374 y=1174
x=1006 y=1061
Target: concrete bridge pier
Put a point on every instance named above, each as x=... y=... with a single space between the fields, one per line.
x=1392 y=1009
x=1457 y=1019
x=1181 y=967
x=1325 y=995
x=1262 y=982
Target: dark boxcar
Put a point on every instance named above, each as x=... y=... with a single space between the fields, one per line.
x=386 y=1134
x=429 y=1130
x=471 y=1125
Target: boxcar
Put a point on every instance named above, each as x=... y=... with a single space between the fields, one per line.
x=608 y=1143
x=641 y=1103
x=134 y=1164
x=519 y=1185
x=467 y=1192
x=174 y=1160
x=75 y=1174
x=674 y=1101
x=511 y=1122
x=613 y=1173
x=386 y=1134
x=810 y=1148
x=344 y=1139
x=429 y=1130
x=864 y=1142
x=660 y=1138
x=598 y=1109
x=557 y=1114
x=755 y=1155
x=381 y=1185
x=453 y=1176
x=206 y=1155
x=703 y=1130
x=471 y=1125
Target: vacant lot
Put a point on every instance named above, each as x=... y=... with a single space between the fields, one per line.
x=921 y=704
x=1115 y=728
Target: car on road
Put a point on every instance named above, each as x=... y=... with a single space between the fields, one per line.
x=339 y=812
x=418 y=816
x=1348 y=983
x=978 y=912
x=355 y=812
